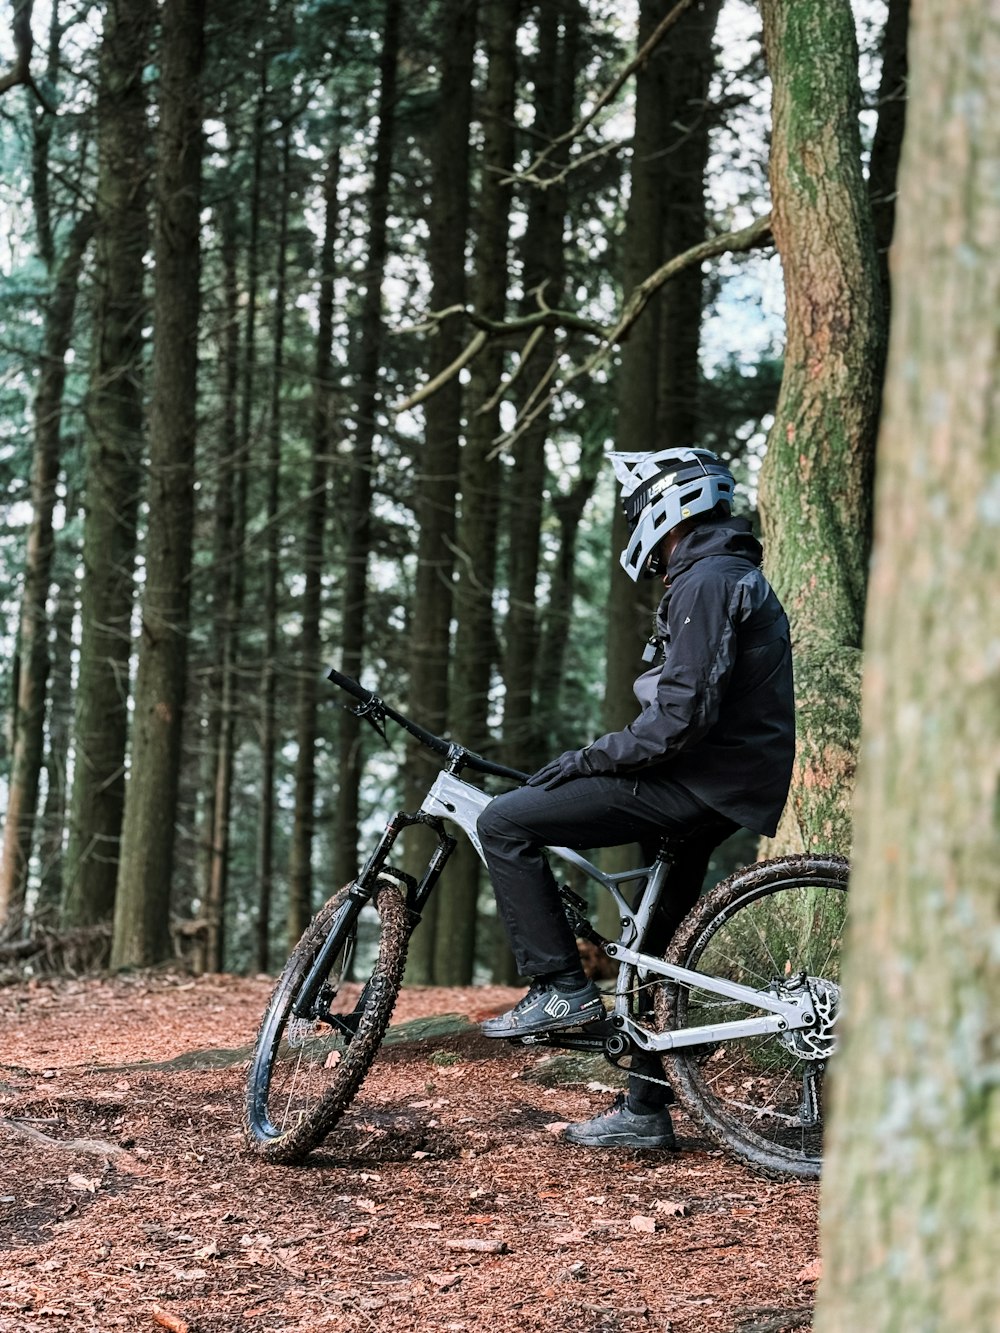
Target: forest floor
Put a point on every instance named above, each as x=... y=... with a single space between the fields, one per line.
x=444 y=1201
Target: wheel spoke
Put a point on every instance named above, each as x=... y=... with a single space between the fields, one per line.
x=769 y=926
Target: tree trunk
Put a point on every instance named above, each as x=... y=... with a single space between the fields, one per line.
x=369 y=359
x=270 y=609
x=114 y=467
x=815 y=493
x=300 y=891
x=659 y=370
x=887 y=145
x=230 y=616
x=909 y=1199
x=224 y=556
x=437 y=462
x=52 y=841
x=475 y=641
x=543 y=268
x=33 y=646
x=688 y=63
x=142 y=905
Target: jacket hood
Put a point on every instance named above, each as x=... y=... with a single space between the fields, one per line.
x=716 y=536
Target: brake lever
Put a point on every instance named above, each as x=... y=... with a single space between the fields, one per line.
x=373 y=712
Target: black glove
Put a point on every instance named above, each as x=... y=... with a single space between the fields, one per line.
x=570 y=764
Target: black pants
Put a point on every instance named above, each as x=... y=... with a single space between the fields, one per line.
x=585 y=813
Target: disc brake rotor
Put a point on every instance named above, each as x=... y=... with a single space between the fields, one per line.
x=817 y=1042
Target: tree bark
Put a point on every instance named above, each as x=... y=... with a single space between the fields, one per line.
x=33 y=645
x=114 y=467
x=271 y=609
x=475 y=641
x=888 y=142
x=909 y=1197
x=543 y=268
x=438 y=461
x=142 y=905
x=300 y=890
x=815 y=491
x=659 y=372
x=369 y=356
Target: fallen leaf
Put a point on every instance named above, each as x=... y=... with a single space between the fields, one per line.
x=354 y=1236
x=557 y=1126
x=481 y=1246
x=638 y=1223
x=444 y=1281
x=671 y=1208
x=78 y=1182
x=812 y=1272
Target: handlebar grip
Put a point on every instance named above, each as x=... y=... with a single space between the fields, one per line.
x=349 y=684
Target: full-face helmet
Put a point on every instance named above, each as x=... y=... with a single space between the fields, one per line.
x=662 y=489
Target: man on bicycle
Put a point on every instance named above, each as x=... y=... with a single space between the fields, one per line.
x=710 y=750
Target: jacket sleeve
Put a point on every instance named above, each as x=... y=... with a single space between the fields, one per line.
x=700 y=659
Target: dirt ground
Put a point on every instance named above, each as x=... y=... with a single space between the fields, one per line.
x=444 y=1201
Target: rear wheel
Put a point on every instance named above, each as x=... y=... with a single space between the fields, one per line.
x=775 y=925
x=305 y=1071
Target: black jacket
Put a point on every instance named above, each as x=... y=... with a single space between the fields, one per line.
x=718 y=715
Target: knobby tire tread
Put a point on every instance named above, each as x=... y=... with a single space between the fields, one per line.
x=680 y=1068
x=292 y=1148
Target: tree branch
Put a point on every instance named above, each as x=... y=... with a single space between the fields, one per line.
x=640 y=58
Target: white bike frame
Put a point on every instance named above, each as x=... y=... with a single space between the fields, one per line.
x=452 y=799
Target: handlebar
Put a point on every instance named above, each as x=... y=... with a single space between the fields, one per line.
x=436 y=743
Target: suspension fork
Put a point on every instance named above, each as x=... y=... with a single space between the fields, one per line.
x=362 y=891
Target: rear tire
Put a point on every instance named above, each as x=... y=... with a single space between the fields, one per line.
x=304 y=1073
x=760 y=1098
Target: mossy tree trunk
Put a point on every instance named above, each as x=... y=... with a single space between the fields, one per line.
x=815 y=493
x=909 y=1200
x=142 y=903
x=114 y=467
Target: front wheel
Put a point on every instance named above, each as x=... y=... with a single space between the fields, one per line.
x=777 y=925
x=305 y=1071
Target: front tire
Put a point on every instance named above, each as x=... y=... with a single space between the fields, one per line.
x=777 y=923
x=304 y=1073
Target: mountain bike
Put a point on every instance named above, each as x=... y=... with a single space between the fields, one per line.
x=741 y=1009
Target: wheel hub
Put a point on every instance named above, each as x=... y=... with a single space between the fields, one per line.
x=818 y=1041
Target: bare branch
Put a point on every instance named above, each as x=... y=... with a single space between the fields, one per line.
x=730 y=242
x=431 y=387
x=641 y=56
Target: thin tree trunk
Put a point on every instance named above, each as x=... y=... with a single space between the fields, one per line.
x=475 y=641
x=224 y=556
x=33 y=645
x=300 y=890
x=369 y=355
x=689 y=60
x=114 y=468
x=217 y=890
x=909 y=1198
x=888 y=142
x=270 y=609
x=142 y=904
x=438 y=461
x=52 y=841
x=815 y=493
